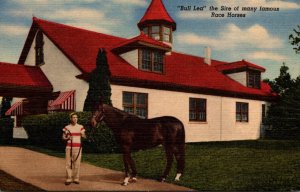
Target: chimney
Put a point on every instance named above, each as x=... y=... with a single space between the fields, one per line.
x=207 y=55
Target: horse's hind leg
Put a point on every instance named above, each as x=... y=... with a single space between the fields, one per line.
x=180 y=158
x=133 y=178
x=169 y=155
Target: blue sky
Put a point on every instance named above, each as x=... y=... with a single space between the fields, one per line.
x=261 y=37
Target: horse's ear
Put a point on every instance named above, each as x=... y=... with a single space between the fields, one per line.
x=98 y=103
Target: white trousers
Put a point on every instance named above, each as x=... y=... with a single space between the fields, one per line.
x=72 y=174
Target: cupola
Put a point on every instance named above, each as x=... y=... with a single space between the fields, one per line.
x=157 y=23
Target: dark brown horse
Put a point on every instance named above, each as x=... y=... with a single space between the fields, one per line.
x=134 y=133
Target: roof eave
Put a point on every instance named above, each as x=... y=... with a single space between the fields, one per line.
x=145 y=23
x=28 y=43
x=137 y=45
x=188 y=89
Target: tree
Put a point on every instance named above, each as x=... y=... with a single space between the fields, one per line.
x=5 y=105
x=295 y=39
x=99 y=83
x=284 y=115
x=283 y=82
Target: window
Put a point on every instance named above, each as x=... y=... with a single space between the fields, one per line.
x=39 y=49
x=253 y=79
x=159 y=32
x=155 y=32
x=151 y=60
x=146 y=30
x=158 y=62
x=166 y=34
x=242 y=112
x=146 y=60
x=197 y=109
x=136 y=103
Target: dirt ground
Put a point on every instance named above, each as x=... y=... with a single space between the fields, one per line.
x=48 y=173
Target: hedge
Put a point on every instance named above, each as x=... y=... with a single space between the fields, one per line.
x=6 y=130
x=46 y=130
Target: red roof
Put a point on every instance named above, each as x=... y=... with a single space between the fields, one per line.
x=21 y=75
x=239 y=65
x=139 y=40
x=81 y=47
x=156 y=12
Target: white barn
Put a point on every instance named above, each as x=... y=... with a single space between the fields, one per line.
x=215 y=100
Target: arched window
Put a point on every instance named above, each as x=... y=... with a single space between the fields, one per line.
x=39 y=49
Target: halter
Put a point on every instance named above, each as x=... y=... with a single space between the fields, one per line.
x=102 y=115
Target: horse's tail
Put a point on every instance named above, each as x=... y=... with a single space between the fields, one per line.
x=180 y=155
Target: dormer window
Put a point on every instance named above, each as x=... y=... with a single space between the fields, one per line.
x=159 y=33
x=253 y=79
x=39 y=49
x=151 y=60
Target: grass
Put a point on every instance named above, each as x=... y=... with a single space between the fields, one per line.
x=265 y=165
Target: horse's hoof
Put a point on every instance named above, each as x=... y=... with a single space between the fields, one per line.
x=177 y=178
x=132 y=180
x=162 y=179
x=124 y=184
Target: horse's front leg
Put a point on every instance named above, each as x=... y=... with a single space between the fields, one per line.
x=129 y=164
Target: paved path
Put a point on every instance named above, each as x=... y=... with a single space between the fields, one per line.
x=48 y=173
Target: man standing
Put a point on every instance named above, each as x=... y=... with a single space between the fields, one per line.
x=72 y=133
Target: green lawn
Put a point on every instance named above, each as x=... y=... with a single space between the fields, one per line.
x=239 y=165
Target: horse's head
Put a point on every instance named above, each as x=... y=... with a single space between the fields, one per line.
x=98 y=113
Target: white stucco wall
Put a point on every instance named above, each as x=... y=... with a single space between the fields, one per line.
x=132 y=57
x=60 y=71
x=240 y=77
x=221 y=122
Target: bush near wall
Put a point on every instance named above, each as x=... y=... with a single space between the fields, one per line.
x=46 y=130
x=6 y=130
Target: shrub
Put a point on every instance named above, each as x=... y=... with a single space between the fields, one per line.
x=100 y=139
x=6 y=130
x=46 y=130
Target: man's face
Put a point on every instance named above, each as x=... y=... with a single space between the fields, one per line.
x=74 y=119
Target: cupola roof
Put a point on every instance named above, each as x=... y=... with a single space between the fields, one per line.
x=157 y=13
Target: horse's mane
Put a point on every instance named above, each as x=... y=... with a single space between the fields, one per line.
x=123 y=113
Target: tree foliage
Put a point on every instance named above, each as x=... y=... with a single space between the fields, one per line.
x=99 y=83
x=283 y=82
x=295 y=39
x=284 y=115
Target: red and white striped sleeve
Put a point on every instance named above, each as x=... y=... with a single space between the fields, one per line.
x=82 y=130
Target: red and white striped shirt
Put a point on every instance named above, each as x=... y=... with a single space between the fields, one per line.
x=76 y=131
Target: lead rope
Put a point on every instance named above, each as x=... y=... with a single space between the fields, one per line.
x=71 y=147
x=71 y=155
